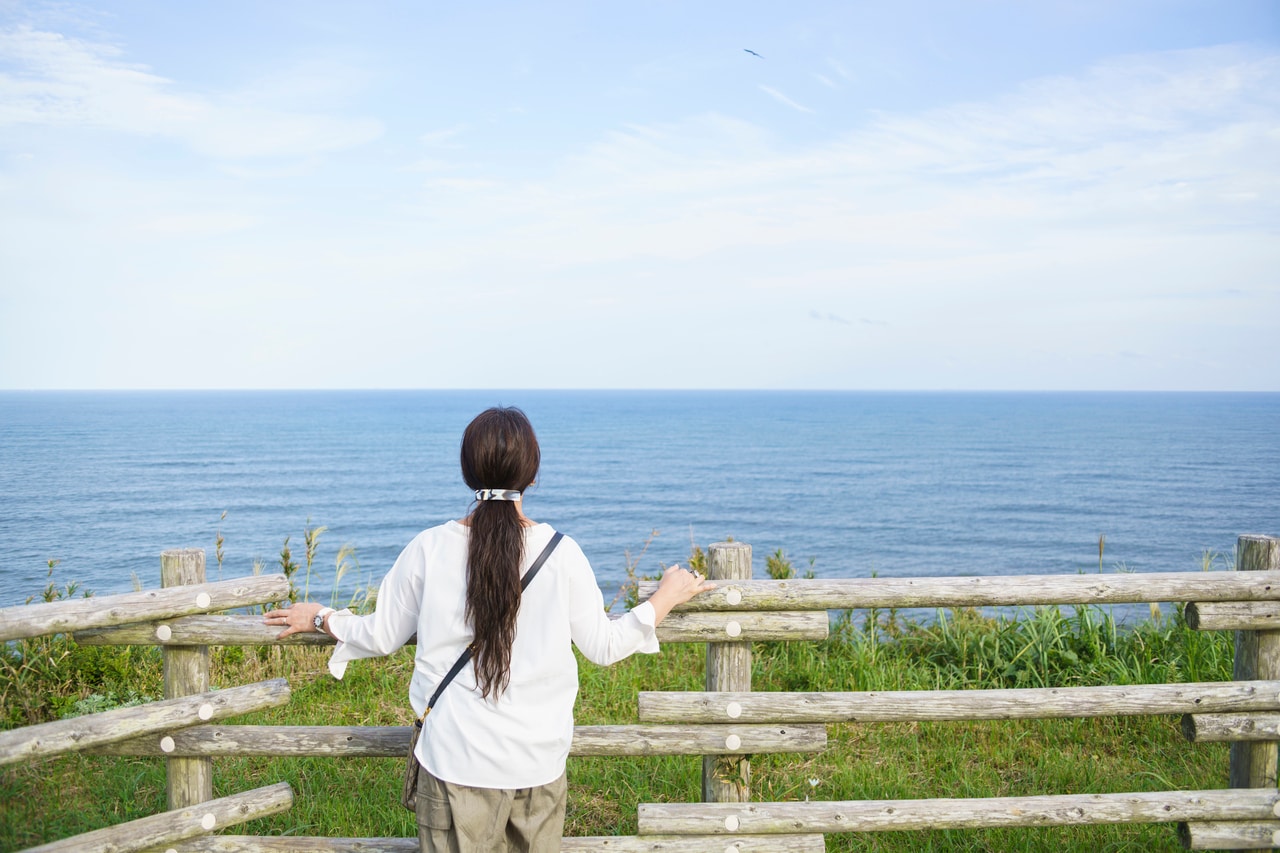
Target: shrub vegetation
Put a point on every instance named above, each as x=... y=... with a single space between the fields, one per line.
x=52 y=677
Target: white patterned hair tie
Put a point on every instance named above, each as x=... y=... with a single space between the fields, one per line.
x=497 y=495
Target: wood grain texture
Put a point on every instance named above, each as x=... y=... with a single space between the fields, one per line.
x=609 y=843
x=186 y=671
x=882 y=815
x=82 y=733
x=1230 y=834
x=172 y=827
x=1215 y=728
x=74 y=614
x=393 y=741
x=1233 y=615
x=726 y=778
x=997 y=591
x=1253 y=763
x=242 y=630
x=1008 y=704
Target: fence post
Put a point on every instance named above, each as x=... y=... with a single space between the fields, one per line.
x=186 y=670
x=727 y=778
x=1253 y=764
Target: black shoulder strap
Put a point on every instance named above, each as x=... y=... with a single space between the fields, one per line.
x=466 y=653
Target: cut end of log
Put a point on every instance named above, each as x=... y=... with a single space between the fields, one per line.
x=1189 y=729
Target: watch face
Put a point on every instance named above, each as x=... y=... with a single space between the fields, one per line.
x=318 y=622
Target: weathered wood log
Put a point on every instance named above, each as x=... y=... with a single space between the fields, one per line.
x=393 y=741
x=186 y=671
x=212 y=630
x=1215 y=728
x=240 y=630
x=1233 y=615
x=611 y=843
x=81 y=733
x=909 y=705
x=763 y=626
x=1253 y=763
x=1230 y=834
x=697 y=740
x=57 y=617
x=995 y=591
x=172 y=827
x=727 y=778
x=726 y=819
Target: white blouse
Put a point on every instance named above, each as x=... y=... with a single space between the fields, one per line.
x=522 y=738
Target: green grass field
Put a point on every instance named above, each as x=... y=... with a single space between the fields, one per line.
x=51 y=677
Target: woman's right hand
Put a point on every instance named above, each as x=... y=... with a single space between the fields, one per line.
x=677 y=586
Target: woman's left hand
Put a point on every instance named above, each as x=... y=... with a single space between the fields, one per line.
x=296 y=619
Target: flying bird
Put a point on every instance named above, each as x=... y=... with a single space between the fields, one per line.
x=753 y=53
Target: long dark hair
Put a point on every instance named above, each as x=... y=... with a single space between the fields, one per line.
x=499 y=451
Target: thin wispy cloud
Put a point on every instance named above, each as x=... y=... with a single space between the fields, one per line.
x=783 y=99
x=62 y=81
x=1011 y=232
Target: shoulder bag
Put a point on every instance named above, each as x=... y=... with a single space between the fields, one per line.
x=409 y=794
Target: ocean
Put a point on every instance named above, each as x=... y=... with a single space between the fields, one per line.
x=847 y=484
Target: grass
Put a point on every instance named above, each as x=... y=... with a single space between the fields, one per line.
x=50 y=678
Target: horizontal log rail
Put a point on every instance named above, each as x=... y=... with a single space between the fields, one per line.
x=1217 y=728
x=986 y=591
x=609 y=844
x=1233 y=615
x=242 y=630
x=727 y=819
x=921 y=705
x=173 y=827
x=73 y=614
x=1230 y=835
x=81 y=733
x=393 y=741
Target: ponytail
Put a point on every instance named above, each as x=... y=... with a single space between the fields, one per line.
x=499 y=451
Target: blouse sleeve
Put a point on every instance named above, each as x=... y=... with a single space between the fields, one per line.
x=601 y=639
x=394 y=618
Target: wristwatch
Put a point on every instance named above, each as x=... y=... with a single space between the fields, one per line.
x=318 y=621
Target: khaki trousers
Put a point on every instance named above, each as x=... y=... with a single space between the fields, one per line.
x=458 y=819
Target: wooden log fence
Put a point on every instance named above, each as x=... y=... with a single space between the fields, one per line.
x=1233 y=615
x=241 y=630
x=921 y=705
x=186 y=671
x=177 y=825
x=584 y=844
x=727 y=778
x=1003 y=591
x=1217 y=728
x=81 y=733
x=729 y=722
x=893 y=815
x=77 y=614
x=1230 y=834
x=393 y=741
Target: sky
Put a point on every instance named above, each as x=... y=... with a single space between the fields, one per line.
x=1053 y=195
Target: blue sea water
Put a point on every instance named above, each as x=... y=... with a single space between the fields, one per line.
x=897 y=484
